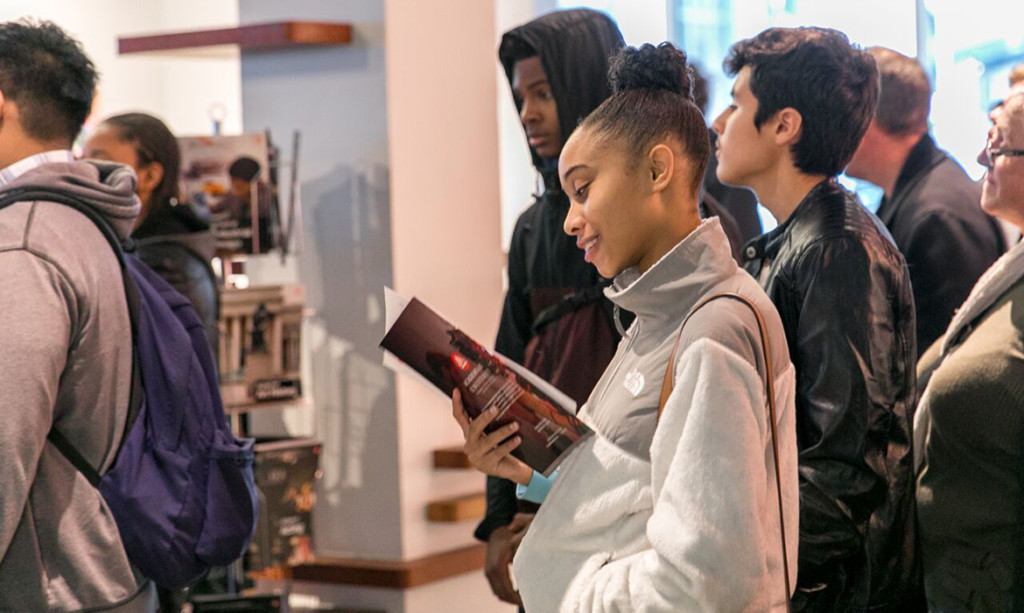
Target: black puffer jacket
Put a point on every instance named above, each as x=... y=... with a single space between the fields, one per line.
x=843 y=291
x=177 y=243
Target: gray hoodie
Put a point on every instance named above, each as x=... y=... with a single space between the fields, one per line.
x=65 y=361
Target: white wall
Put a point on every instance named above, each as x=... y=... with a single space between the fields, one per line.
x=400 y=186
x=518 y=176
x=443 y=149
x=336 y=97
x=176 y=88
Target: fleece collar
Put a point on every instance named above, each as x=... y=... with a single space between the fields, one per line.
x=675 y=282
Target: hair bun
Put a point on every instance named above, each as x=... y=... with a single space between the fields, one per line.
x=652 y=68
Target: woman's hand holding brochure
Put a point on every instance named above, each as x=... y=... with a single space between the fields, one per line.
x=490 y=453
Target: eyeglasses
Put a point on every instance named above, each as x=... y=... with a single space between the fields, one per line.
x=989 y=155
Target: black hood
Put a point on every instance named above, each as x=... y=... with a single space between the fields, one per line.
x=178 y=223
x=574 y=48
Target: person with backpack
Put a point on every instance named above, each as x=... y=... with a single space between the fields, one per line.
x=122 y=471
x=171 y=236
x=66 y=345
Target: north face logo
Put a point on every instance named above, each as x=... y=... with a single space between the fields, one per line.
x=634 y=382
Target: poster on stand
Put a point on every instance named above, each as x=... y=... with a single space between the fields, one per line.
x=286 y=472
x=231 y=177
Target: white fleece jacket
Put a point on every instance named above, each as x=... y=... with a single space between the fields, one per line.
x=677 y=514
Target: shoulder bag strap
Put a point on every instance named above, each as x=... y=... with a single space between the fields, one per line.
x=666 y=390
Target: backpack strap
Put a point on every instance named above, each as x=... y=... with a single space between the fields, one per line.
x=569 y=303
x=669 y=383
x=48 y=194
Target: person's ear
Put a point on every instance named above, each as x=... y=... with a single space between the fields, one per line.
x=149 y=177
x=787 y=126
x=662 y=165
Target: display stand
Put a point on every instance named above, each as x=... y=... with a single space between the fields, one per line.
x=256 y=38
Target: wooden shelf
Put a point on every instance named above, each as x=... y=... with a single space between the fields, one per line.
x=255 y=37
x=460 y=508
x=230 y=409
x=401 y=574
x=451 y=457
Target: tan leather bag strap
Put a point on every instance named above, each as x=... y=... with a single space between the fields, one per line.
x=669 y=383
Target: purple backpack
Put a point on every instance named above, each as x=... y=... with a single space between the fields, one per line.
x=181 y=487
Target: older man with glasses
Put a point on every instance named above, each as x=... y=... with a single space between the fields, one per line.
x=969 y=428
x=988 y=156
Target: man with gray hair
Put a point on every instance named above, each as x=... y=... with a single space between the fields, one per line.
x=930 y=205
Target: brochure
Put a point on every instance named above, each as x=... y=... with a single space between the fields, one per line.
x=448 y=358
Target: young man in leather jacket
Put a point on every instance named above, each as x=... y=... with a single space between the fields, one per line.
x=802 y=101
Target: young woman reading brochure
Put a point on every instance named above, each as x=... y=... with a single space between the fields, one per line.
x=676 y=504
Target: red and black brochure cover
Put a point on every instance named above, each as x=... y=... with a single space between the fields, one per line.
x=448 y=358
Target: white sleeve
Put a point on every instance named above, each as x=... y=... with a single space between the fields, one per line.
x=713 y=519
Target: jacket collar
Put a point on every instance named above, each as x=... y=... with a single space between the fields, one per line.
x=922 y=158
x=996 y=281
x=106 y=187
x=769 y=243
x=11 y=173
x=667 y=290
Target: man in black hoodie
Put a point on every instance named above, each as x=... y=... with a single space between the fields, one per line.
x=555 y=320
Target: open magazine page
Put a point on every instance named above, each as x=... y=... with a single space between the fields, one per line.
x=447 y=358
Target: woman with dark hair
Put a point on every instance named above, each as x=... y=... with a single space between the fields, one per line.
x=171 y=237
x=676 y=503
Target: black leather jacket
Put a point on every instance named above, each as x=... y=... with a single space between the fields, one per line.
x=843 y=291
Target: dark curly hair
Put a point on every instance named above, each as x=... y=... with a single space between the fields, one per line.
x=47 y=74
x=832 y=83
x=653 y=98
x=700 y=89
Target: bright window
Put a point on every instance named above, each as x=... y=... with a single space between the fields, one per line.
x=967 y=47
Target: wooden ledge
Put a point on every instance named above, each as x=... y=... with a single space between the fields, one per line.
x=451 y=457
x=280 y=35
x=401 y=574
x=459 y=508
